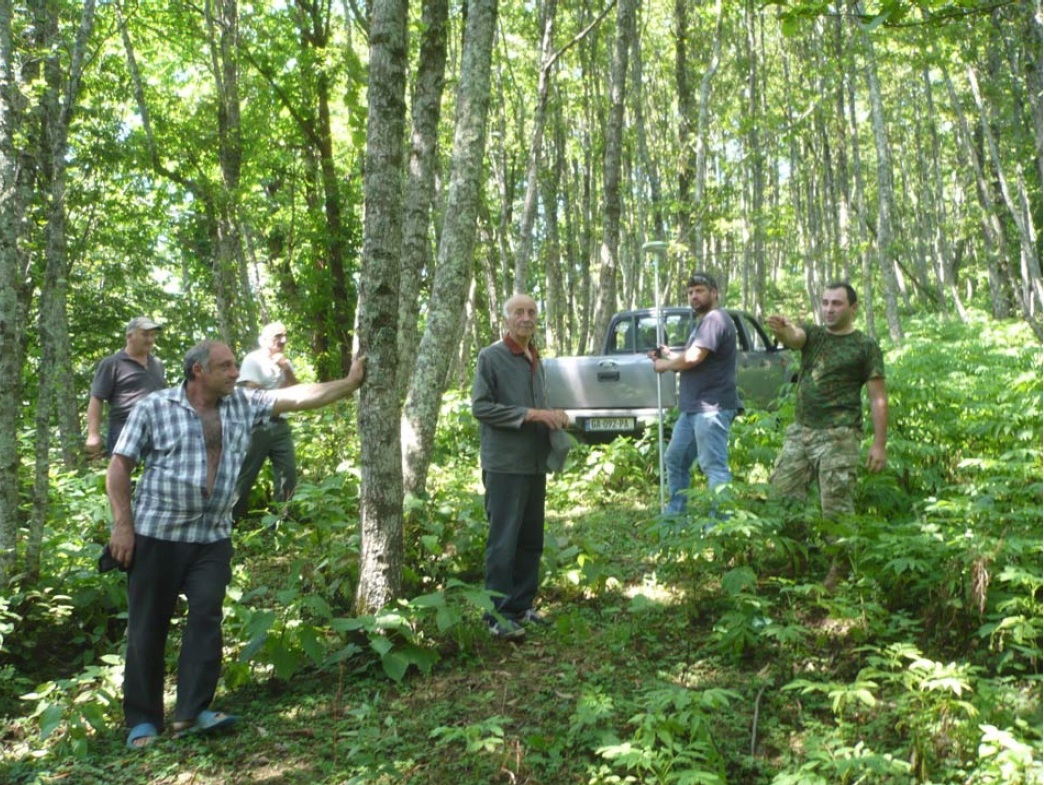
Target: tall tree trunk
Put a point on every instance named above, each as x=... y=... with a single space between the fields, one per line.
x=456 y=248
x=686 y=216
x=756 y=162
x=380 y=504
x=702 y=142
x=14 y=292
x=1027 y=286
x=943 y=250
x=555 y=283
x=524 y=248
x=612 y=201
x=420 y=181
x=236 y=313
x=993 y=234
x=885 y=191
x=56 y=390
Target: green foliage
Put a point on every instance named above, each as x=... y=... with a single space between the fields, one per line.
x=701 y=650
x=75 y=710
x=674 y=738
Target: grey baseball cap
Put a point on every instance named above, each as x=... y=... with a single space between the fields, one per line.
x=142 y=323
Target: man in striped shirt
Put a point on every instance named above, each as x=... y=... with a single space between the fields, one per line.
x=175 y=536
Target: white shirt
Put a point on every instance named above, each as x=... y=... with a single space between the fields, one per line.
x=260 y=369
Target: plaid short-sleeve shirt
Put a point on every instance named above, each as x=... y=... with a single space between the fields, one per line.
x=171 y=501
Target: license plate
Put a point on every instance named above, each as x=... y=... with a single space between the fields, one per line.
x=609 y=424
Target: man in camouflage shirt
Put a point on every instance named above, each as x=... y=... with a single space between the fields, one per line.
x=836 y=361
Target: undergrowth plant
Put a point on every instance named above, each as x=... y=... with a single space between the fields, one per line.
x=699 y=650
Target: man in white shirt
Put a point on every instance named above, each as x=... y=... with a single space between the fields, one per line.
x=268 y=368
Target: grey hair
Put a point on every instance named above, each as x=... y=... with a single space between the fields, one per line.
x=200 y=353
x=512 y=298
x=269 y=330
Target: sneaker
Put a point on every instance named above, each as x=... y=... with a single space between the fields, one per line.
x=508 y=629
x=532 y=617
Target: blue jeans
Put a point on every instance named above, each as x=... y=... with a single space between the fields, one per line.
x=702 y=436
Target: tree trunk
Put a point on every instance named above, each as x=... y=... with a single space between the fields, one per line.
x=702 y=132
x=420 y=182
x=612 y=201
x=380 y=503
x=456 y=249
x=524 y=248
x=756 y=163
x=993 y=234
x=14 y=292
x=1027 y=286
x=885 y=192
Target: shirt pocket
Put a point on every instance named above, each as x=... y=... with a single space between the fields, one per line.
x=237 y=436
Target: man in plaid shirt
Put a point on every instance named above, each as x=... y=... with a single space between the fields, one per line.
x=175 y=537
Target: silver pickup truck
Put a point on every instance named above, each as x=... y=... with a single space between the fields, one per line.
x=616 y=392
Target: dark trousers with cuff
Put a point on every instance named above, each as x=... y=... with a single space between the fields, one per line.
x=160 y=572
x=515 y=511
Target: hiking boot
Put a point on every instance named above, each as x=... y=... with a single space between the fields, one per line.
x=508 y=629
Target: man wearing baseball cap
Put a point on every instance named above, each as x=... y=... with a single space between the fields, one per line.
x=121 y=380
x=708 y=399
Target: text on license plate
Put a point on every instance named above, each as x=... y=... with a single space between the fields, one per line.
x=609 y=424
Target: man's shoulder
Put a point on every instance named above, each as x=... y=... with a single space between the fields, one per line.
x=248 y=397
x=495 y=348
x=866 y=340
x=723 y=317
x=112 y=359
x=255 y=357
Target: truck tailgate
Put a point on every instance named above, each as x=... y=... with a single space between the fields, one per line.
x=617 y=382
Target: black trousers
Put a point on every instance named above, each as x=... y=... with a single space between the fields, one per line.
x=160 y=572
x=515 y=511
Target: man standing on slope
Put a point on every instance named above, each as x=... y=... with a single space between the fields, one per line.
x=823 y=443
x=175 y=537
x=707 y=395
x=509 y=400
x=268 y=368
x=122 y=379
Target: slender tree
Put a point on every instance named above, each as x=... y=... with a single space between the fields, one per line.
x=380 y=503
x=609 y=260
x=14 y=292
x=417 y=254
x=456 y=248
x=56 y=393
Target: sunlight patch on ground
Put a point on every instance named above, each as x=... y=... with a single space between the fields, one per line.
x=652 y=589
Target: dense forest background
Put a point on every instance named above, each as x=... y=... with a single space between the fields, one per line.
x=381 y=178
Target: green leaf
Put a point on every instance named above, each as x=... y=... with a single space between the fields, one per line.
x=50 y=719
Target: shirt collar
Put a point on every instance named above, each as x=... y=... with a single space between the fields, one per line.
x=516 y=348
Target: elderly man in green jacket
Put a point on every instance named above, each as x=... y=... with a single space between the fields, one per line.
x=510 y=402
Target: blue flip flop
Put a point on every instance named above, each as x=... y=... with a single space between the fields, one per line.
x=143 y=730
x=208 y=722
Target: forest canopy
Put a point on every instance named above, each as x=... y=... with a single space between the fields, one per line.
x=221 y=165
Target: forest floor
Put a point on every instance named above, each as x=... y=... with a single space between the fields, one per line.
x=543 y=711
x=637 y=674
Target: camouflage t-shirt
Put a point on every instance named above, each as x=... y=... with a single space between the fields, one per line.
x=834 y=369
